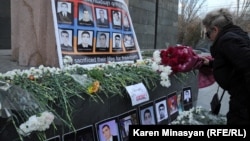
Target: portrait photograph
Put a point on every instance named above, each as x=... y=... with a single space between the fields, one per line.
x=66 y=39
x=116 y=19
x=172 y=105
x=85 y=41
x=179 y=102
x=85 y=15
x=117 y=42
x=126 y=22
x=82 y=134
x=128 y=41
x=108 y=130
x=187 y=98
x=102 y=41
x=64 y=12
x=55 y=138
x=147 y=114
x=102 y=17
x=126 y=119
x=161 y=110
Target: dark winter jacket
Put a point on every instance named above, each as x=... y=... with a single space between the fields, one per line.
x=231 y=53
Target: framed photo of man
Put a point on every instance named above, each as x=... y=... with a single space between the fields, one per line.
x=128 y=41
x=85 y=41
x=102 y=43
x=147 y=114
x=161 y=110
x=85 y=15
x=108 y=130
x=116 y=19
x=102 y=17
x=117 y=42
x=66 y=39
x=187 y=98
x=126 y=22
x=172 y=105
x=82 y=134
x=126 y=119
x=64 y=12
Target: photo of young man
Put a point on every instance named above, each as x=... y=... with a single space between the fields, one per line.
x=125 y=120
x=64 y=13
x=108 y=130
x=102 y=18
x=84 y=41
x=161 y=108
x=116 y=19
x=147 y=116
x=102 y=41
x=85 y=16
x=117 y=42
x=187 y=98
x=126 y=24
x=66 y=40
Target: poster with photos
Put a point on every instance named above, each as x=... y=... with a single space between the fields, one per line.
x=161 y=110
x=82 y=134
x=147 y=114
x=108 y=130
x=94 y=32
x=55 y=138
x=126 y=119
x=172 y=105
x=187 y=98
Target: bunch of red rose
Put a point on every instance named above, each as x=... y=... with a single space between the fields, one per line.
x=180 y=58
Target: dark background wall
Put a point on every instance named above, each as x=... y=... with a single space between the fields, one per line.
x=155 y=22
x=5 y=31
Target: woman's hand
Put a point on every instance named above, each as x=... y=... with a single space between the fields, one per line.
x=205 y=61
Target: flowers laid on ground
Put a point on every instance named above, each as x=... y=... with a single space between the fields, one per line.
x=56 y=90
x=173 y=60
x=199 y=116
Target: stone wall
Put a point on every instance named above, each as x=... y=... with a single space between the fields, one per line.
x=32 y=33
x=155 y=22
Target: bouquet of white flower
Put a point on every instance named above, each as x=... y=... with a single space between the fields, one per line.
x=36 y=123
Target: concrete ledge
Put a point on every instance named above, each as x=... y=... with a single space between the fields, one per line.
x=5 y=52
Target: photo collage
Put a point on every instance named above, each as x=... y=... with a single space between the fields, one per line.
x=161 y=111
x=87 y=28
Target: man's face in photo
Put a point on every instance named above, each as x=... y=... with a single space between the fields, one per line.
x=64 y=7
x=85 y=38
x=147 y=118
x=162 y=111
x=101 y=13
x=102 y=40
x=65 y=38
x=106 y=132
x=117 y=41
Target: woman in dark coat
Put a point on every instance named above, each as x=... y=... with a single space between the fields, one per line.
x=231 y=62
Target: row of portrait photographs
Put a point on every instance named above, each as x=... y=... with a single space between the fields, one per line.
x=161 y=111
x=89 y=17
x=85 y=41
x=116 y=128
x=166 y=109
